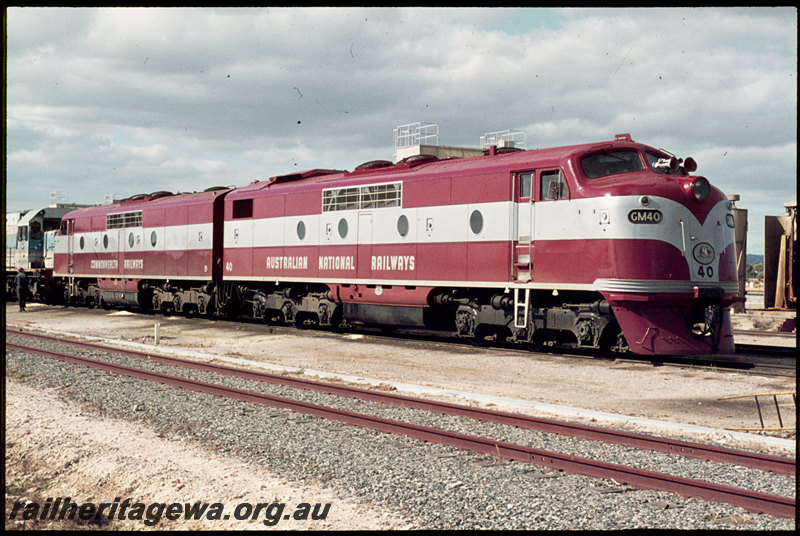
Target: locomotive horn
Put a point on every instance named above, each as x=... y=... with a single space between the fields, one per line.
x=670 y=164
x=689 y=164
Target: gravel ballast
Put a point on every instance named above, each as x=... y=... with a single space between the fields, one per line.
x=428 y=486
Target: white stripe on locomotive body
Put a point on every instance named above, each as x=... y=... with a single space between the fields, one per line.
x=566 y=220
x=435 y=224
x=583 y=221
x=172 y=238
x=554 y=220
x=192 y=237
x=607 y=218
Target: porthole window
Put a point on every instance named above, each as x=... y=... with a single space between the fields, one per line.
x=343 y=227
x=476 y=221
x=301 y=230
x=153 y=238
x=105 y=241
x=130 y=240
x=402 y=225
x=82 y=243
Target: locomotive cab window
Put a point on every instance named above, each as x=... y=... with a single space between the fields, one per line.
x=611 y=163
x=525 y=185
x=553 y=186
x=36 y=230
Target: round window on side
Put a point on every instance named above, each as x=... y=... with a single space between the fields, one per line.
x=153 y=238
x=105 y=241
x=476 y=221
x=343 y=227
x=402 y=225
x=301 y=230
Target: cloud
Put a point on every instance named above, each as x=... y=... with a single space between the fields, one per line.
x=123 y=99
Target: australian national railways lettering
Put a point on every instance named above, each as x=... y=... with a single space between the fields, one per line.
x=287 y=263
x=342 y=262
x=392 y=262
x=337 y=262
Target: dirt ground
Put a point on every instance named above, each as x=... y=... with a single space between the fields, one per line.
x=57 y=449
x=44 y=436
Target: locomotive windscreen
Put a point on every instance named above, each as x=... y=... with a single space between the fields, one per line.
x=610 y=163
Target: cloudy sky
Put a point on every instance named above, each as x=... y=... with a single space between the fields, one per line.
x=118 y=101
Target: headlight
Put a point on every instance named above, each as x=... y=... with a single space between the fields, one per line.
x=701 y=188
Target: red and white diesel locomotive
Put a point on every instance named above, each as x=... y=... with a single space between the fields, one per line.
x=611 y=245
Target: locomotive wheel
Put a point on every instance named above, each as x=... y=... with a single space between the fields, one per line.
x=260 y=311
x=483 y=336
x=536 y=343
x=156 y=303
x=336 y=324
x=205 y=307
x=287 y=312
x=533 y=346
x=612 y=343
x=306 y=320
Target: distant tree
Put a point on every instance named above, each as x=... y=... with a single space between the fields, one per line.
x=755 y=271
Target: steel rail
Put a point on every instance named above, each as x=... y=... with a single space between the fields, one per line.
x=765 y=462
x=775 y=352
x=777 y=506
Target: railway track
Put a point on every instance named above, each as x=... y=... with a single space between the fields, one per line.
x=774 y=464
x=753 y=501
x=762 y=359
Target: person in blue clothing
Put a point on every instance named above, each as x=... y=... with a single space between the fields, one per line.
x=22 y=288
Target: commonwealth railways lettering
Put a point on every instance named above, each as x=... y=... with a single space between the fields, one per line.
x=104 y=264
x=133 y=264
